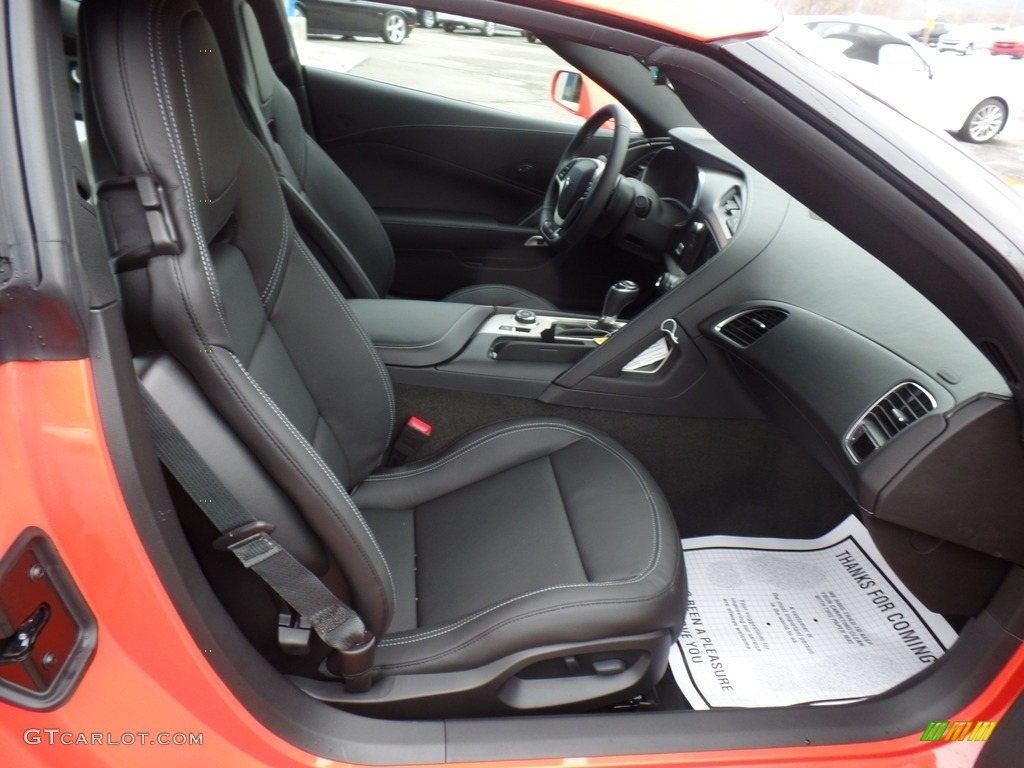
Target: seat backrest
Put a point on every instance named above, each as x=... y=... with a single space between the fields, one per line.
x=300 y=159
x=243 y=306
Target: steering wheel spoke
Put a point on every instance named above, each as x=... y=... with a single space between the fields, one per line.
x=582 y=186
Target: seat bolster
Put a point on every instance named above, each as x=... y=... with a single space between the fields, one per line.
x=478 y=455
x=560 y=614
x=348 y=213
x=624 y=533
x=302 y=474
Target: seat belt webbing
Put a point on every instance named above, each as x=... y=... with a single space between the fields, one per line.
x=337 y=624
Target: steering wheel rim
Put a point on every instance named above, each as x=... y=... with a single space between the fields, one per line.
x=581 y=187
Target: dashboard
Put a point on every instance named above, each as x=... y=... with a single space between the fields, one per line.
x=687 y=211
x=822 y=338
x=775 y=314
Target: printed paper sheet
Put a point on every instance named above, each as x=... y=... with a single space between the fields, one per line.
x=775 y=622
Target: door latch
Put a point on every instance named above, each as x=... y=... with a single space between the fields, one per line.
x=47 y=633
x=17 y=646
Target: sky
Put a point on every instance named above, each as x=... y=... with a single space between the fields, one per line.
x=1009 y=12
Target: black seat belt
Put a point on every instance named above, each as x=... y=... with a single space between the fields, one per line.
x=338 y=625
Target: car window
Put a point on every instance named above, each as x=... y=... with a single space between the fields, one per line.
x=866 y=29
x=899 y=57
x=460 y=58
x=830 y=28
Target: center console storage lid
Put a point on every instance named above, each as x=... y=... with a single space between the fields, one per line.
x=418 y=333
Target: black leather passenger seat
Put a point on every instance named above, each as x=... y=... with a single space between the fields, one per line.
x=531 y=565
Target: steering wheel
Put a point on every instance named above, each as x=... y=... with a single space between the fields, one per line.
x=582 y=186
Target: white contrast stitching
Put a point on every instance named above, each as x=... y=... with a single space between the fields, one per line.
x=161 y=88
x=655 y=554
x=192 y=119
x=319 y=462
x=332 y=289
x=275 y=276
x=467 y=448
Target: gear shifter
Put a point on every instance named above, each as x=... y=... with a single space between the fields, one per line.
x=619 y=296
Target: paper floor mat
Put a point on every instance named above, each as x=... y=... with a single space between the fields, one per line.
x=775 y=622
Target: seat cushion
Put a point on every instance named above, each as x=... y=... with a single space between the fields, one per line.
x=499 y=296
x=527 y=533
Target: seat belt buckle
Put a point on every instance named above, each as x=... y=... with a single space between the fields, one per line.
x=241 y=533
x=293 y=633
x=354 y=665
x=410 y=442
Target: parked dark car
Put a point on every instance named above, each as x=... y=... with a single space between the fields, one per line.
x=392 y=23
x=930 y=36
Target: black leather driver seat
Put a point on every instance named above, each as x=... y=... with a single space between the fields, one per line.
x=533 y=564
x=353 y=242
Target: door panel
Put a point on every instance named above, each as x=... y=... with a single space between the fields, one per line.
x=454 y=169
x=458 y=187
x=451 y=155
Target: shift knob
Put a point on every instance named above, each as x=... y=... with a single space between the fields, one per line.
x=619 y=296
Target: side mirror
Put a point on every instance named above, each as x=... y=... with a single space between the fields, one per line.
x=577 y=93
x=567 y=90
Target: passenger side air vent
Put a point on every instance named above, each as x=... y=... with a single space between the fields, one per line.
x=747 y=327
x=890 y=415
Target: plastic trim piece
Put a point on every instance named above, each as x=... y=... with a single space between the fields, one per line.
x=862 y=428
x=763 y=318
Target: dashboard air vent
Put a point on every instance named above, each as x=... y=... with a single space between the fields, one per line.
x=730 y=208
x=747 y=327
x=639 y=168
x=891 y=414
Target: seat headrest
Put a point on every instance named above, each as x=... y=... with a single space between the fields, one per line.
x=161 y=103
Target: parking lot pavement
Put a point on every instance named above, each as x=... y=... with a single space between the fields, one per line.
x=505 y=71
x=1004 y=155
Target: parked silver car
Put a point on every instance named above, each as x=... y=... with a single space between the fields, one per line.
x=450 y=22
x=968 y=38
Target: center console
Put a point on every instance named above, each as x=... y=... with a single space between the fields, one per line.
x=481 y=348
x=516 y=352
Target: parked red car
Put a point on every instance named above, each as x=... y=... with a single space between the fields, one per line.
x=1009 y=43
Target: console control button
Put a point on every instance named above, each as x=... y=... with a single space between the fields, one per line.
x=526 y=316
